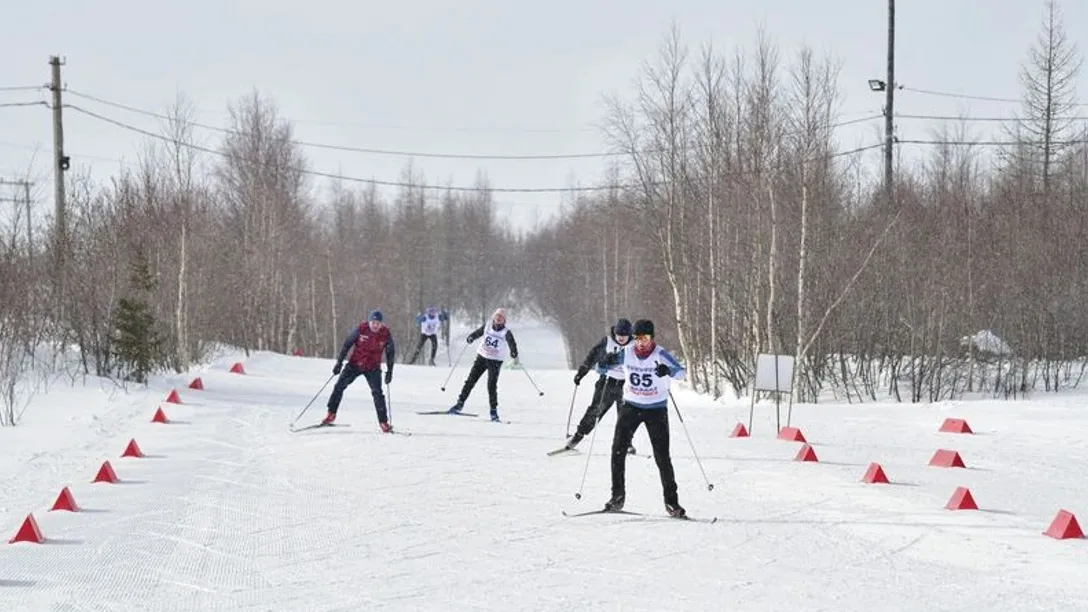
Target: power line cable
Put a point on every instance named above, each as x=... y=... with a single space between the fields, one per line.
x=947 y=94
x=440 y=188
x=346 y=148
x=329 y=175
x=397 y=153
x=983 y=119
x=990 y=143
x=15 y=104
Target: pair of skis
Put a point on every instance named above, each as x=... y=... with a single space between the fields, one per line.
x=294 y=429
x=564 y=449
x=708 y=521
x=464 y=414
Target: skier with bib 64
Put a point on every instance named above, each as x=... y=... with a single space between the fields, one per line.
x=498 y=345
x=648 y=371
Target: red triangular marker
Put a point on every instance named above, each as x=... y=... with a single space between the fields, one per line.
x=197 y=384
x=28 y=532
x=132 y=450
x=961 y=500
x=956 y=426
x=65 y=501
x=105 y=473
x=739 y=431
x=1064 y=527
x=160 y=416
x=791 y=434
x=237 y=368
x=947 y=458
x=875 y=474
x=806 y=454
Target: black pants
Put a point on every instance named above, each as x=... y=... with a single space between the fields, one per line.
x=423 y=338
x=606 y=391
x=657 y=427
x=481 y=365
x=373 y=378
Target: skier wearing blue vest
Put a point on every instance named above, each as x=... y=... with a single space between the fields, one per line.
x=430 y=321
x=648 y=371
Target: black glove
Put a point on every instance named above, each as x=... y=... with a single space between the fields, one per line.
x=468 y=339
x=582 y=371
x=662 y=370
x=389 y=376
x=336 y=368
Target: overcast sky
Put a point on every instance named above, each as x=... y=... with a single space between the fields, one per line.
x=471 y=76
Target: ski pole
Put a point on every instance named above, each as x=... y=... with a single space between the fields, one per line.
x=709 y=486
x=592 y=439
x=388 y=403
x=531 y=381
x=454 y=366
x=570 y=413
x=316 y=395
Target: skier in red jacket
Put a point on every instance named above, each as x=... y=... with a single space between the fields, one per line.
x=368 y=342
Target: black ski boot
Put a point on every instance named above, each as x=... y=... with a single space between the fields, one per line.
x=574 y=440
x=676 y=510
x=615 y=504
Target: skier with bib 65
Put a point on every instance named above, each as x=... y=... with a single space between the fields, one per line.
x=648 y=371
x=498 y=345
x=367 y=343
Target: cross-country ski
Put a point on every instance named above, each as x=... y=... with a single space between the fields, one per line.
x=317 y=426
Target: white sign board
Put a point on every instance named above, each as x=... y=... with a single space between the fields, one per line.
x=774 y=373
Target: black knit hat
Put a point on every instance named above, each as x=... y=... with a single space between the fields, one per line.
x=644 y=326
x=622 y=327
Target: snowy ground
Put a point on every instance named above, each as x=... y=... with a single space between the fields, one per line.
x=230 y=511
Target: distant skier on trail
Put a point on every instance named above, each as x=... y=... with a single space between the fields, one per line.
x=367 y=343
x=648 y=370
x=498 y=344
x=608 y=389
x=430 y=322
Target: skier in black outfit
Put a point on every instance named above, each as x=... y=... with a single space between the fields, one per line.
x=498 y=344
x=609 y=387
x=649 y=370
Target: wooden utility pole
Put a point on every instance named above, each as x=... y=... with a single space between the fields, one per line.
x=60 y=166
x=889 y=105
